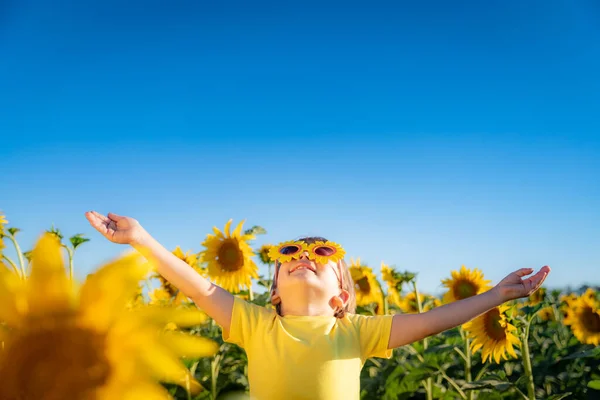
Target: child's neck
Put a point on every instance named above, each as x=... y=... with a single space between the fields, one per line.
x=305 y=309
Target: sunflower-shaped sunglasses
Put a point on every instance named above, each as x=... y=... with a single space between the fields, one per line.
x=320 y=252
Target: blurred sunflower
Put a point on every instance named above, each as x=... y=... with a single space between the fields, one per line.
x=583 y=316
x=393 y=297
x=546 y=314
x=492 y=333
x=465 y=283
x=229 y=258
x=408 y=303
x=263 y=254
x=86 y=344
x=366 y=286
x=138 y=299
x=567 y=302
x=391 y=277
x=537 y=297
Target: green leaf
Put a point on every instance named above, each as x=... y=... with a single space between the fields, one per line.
x=255 y=230
x=13 y=231
x=78 y=239
x=594 y=384
x=56 y=232
x=595 y=352
x=27 y=255
x=559 y=396
x=487 y=383
x=441 y=347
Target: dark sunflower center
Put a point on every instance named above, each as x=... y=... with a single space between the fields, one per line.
x=463 y=289
x=230 y=256
x=264 y=256
x=413 y=306
x=363 y=285
x=492 y=325
x=54 y=362
x=590 y=320
x=172 y=290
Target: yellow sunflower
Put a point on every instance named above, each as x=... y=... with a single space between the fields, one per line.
x=409 y=305
x=138 y=299
x=492 y=333
x=391 y=277
x=583 y=316
x=229 y=258
x=465 y=283
x=546 y=314
x=366 y=286
x=338 y=252
x=274 y=253
x=537 y=297
x=177 y=296
x=263 y=254
x=63 y=343
x=393 y=297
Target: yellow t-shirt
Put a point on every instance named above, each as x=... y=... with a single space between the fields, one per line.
x=302 y=357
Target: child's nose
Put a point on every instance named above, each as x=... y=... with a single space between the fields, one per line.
x=304 y=255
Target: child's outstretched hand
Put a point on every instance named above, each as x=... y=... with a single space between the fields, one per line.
x=117 y=229
x=514 y=287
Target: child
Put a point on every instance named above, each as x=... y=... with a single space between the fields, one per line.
x=313 y=346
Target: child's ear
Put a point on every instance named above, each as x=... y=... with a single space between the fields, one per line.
x=340 y=301
x=344 y=296
x=275 y=298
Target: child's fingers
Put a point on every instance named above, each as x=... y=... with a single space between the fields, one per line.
x=101 y=217
x=533 y=283
x=115 y=217
x=523 y=271
x=97 y=223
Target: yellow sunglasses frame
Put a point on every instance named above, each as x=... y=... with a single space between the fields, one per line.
x=275 y=253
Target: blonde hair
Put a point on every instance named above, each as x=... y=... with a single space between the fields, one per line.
x=347 y=283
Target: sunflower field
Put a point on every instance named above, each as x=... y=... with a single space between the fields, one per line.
x=127 y=333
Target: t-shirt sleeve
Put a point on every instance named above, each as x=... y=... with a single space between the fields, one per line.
x=374 y=335
x=246 y=319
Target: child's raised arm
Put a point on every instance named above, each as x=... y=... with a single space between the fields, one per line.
x=409 y=328
x=212 y=299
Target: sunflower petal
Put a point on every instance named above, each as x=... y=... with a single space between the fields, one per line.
x=183 y=317
x=146 y=391
x=187 y=345
x=106 y=293
x=11 y=289
x=167 y=368
x=228 y=228
x=238 y=229
x=48 y=287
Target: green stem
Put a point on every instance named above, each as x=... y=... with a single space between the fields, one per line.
x=468 y=376
x=19 y=254
x=214 y=368
x=383 y=300
x=527 y=364
x=429 y=381
x=455 y=385
x=193 y=373
x=13 y=265
x=481 y=372
x=521 y=393
x=70 y=252
x=250 y=293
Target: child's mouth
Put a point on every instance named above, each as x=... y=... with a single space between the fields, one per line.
x=302 y=266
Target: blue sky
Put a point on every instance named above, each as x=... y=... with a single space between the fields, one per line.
x=428 y=135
